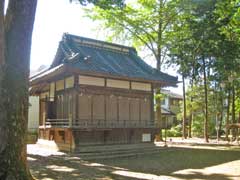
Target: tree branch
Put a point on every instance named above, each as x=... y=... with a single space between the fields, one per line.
x=150 y=47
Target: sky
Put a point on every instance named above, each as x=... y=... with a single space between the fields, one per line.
x=55 y=17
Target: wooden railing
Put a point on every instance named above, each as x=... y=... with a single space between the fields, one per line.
x=64 y=123
x=57 y=123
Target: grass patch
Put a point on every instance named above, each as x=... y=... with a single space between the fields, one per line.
x=168 y=163
x=175 y=159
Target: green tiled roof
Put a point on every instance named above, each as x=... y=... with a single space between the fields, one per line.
x=105 y=58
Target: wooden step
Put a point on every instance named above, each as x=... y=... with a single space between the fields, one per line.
x=116 y=151
x=100 y=148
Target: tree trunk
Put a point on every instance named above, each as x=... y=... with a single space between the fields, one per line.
x=191 y=113
x=184 y=135
x=228 y=111
x=159 y=114
x=2 y=60
x=233 y=105
x=18 y=26
x=2 y=32
x=190 y=125
x=221 y=118
x=206 y=101
x=239 y=117
x=233 y=113
x=158 y=66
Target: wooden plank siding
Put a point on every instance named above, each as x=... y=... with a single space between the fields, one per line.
x=127 y=103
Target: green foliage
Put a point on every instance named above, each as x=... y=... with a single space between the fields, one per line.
x=104 y=4
x=195 y=104
x=228 y=13
x=198 y=125
x=144 y=23
x=199 y=37
x=158 y=98
x=175 y=131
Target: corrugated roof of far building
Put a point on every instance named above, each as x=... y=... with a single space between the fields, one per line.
x=171 y=94
x=89 y=55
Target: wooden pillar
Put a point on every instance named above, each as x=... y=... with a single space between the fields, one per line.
x=152 y=105
x=105 y=109
x=91 y=108
x=118 y=108
x=39 y=115
x=105 y=104
x=76 y=98
x=140 y=110
x=129 y=109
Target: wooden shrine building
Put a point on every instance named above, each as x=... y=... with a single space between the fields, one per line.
x=97 y=92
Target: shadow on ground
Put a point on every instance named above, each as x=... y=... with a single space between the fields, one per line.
x=166 y=164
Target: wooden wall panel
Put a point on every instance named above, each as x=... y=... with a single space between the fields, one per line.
x=69 y=82
x=60 y=85
x=52 y=91
x=84 y=107
x=88 y=80
x=145 y=110
x=134 y=109
x=60 y=107
x=123 y=108
x=141 y=86
x=118 y=83
x=98 y=107
x=111 y=108
x=69 y=105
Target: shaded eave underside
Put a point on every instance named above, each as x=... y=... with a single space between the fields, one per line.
x=39 y=81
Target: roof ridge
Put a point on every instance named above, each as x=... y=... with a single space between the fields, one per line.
x=99 y=43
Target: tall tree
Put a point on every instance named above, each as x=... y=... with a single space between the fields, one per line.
x=146 y=24
x=15 y=44
x=182 y=51
x=228 y=14
x=143 y=23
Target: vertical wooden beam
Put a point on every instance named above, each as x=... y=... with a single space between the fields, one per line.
x=40 y=110
x=49 y=93
x=76 y=77
x=105 y=108
x=140 y=110
x=118 y=108
x=105 y=102
x=64 y=83
x=55 y=99
x=152 y=104
x=76 y=105
x=129 y=109
x=55 y=90
x=105 y=82
x=91 y=97
x=75 y=85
